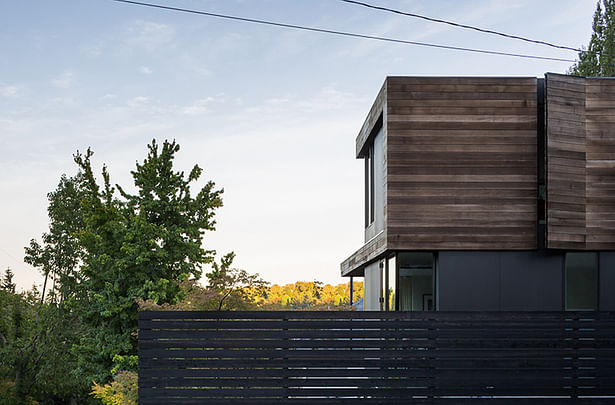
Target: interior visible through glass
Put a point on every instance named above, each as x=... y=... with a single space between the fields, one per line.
x=415 y=287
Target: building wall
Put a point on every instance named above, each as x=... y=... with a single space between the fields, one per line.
x=566 y=161
x=606 y=278
x=372 y=287
x=461 y=163
x=500 y=281
x=580 y=162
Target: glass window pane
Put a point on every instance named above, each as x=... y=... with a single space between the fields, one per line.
x=415 y=288
x=581 y=281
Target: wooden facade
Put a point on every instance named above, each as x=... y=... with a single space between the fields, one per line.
x=462 y=158
x=580 y=162
x=461 y=163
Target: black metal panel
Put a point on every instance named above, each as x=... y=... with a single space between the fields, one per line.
x=468 y=281
x=531 y=281
x=500 y=281
x=606 y=279
x=374 y=357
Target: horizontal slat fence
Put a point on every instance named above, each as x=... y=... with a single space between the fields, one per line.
x=299 y=357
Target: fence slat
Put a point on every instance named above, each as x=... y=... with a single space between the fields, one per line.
x=375 y=357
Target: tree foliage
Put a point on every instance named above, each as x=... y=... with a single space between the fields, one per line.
x=311 y=295
x=139 y=245
x=599 y=57
x=7 y=281
x=228 y=289
x=122 y=391
x=106 y=249
x=36 y=340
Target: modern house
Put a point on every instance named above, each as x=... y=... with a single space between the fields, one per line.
x=489 y=193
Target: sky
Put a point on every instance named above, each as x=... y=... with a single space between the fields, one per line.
x=271 y=114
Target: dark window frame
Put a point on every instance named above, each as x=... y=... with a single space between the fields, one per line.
x=369 y=186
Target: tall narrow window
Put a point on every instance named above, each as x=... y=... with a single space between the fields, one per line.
x=581 y=281
x=369 y=186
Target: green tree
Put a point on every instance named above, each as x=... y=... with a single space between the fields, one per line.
x=228 y=289
x=231 y=288
x=36 y=341
x=599 y=58
x=138 y=246
x=7 y=281
x=60 y=252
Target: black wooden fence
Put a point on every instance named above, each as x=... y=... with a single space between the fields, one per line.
x=375 y=357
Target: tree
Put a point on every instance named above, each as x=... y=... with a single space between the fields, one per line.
x=60 y=252
x=7 y=281
x=36 y=358
x=228 y=289
x=138 y=247
x=234 y=288
x=599 y=58
x=105 y=250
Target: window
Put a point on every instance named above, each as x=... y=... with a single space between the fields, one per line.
x=581 y=281
x=416 y=281
x=369 y=186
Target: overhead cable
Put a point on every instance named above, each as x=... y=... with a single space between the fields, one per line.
x=458 y=25
x=344 y=33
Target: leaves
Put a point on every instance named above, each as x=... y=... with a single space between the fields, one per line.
x=599 y=58
x=105 y=250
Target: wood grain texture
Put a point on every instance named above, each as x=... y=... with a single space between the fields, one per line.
x=461 y=163
x=566 y=157
x=369 y=252
x=600 y=164
x=580 y=163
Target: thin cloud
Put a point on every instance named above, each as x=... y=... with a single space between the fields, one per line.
x=148 y=35
x=198 y=107
x=146 y=70
x=9 y=91
x=64 y=81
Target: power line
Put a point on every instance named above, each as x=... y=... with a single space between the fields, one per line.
x=344 y=33
x=469 y=27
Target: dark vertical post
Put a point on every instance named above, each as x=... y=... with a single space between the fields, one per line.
x=386 y=284
x=351 y=290
x=396 y=282
x=366 y=158
x=286 y=349
x=541 y=164
x=372 y=191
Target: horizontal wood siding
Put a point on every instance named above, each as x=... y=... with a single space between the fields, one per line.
x=461 y=170
x=375 y=357
x=600 y=163
x=580 y=163
x=566 y=158
x=373 y=249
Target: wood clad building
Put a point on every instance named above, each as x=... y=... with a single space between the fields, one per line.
x=580 y=162
x=479 y=182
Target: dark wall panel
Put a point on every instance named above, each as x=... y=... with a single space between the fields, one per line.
x=461 y=163
x=468 y=281
x=607 y=281
x=531 y=281
x=500 y=281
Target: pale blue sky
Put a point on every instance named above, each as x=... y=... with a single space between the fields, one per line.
x=270 y=114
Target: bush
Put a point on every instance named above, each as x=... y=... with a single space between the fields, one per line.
x=123 y=390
